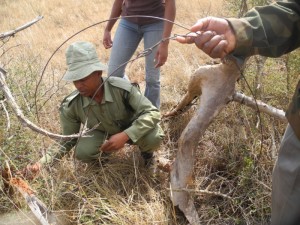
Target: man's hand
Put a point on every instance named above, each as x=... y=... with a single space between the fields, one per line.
x=107 y=41
x=31 y=170
x=212 y=35
x=115 y=142
x=161 y=54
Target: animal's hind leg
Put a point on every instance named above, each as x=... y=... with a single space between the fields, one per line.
x=187 y=99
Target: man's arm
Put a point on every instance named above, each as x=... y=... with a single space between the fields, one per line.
x=162 y=52
x=69 y=125
x=146 y=116
x=270 y=30
x=115 y=12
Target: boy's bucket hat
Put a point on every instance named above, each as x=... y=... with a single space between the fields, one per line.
x=82 y=60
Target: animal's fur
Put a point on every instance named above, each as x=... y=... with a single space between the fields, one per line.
x=209 y=76
x=215 y=85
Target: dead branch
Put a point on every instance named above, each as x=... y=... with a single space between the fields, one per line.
x=241 y=98
x=201 y=192
x=6 y=113
x=262 y=107
x=13 y=32
x=243 y=8
x=27 y=123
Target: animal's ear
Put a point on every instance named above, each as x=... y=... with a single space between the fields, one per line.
x=239 y=61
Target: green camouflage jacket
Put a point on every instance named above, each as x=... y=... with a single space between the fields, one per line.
x=271 y=31
x=123 y=108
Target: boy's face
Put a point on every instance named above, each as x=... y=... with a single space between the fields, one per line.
x=88 y=85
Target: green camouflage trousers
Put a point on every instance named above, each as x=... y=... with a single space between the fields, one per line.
x=88 y=148
x=286 y=181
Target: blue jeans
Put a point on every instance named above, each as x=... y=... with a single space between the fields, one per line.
x=127 y=38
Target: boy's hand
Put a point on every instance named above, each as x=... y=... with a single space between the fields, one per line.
x=31 y=170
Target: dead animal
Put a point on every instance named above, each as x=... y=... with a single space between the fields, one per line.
x=215 y=84
x=211 y=79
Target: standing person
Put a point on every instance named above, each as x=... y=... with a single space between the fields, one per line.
x=116 y=110
x=131 y=30
x=271 y=30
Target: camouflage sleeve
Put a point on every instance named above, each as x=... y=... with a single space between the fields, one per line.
x=271 y=30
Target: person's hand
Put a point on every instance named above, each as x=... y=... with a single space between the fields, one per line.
x=107 y=41
x=31 y=170
x=115 y=142
x=161 y=54
x=212 y=35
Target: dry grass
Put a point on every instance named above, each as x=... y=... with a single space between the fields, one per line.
x=230 y=158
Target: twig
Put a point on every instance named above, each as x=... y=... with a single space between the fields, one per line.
x=6 y=113
x=26 y=122
x=202 y=192
x=13 y=32
x=263 y=107
x=5 y=51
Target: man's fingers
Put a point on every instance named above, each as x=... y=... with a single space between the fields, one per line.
x=160 y=62
x=157 y=60
x=199 y=25
x=158 y=65
x=30 y=171
x=209 y=46
x=186 y=39
x=108 y=146
x=107 y=42
x=204 y=38
x=105 y=146
x=107 y=45
x=209 y=42
x=220 y=51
